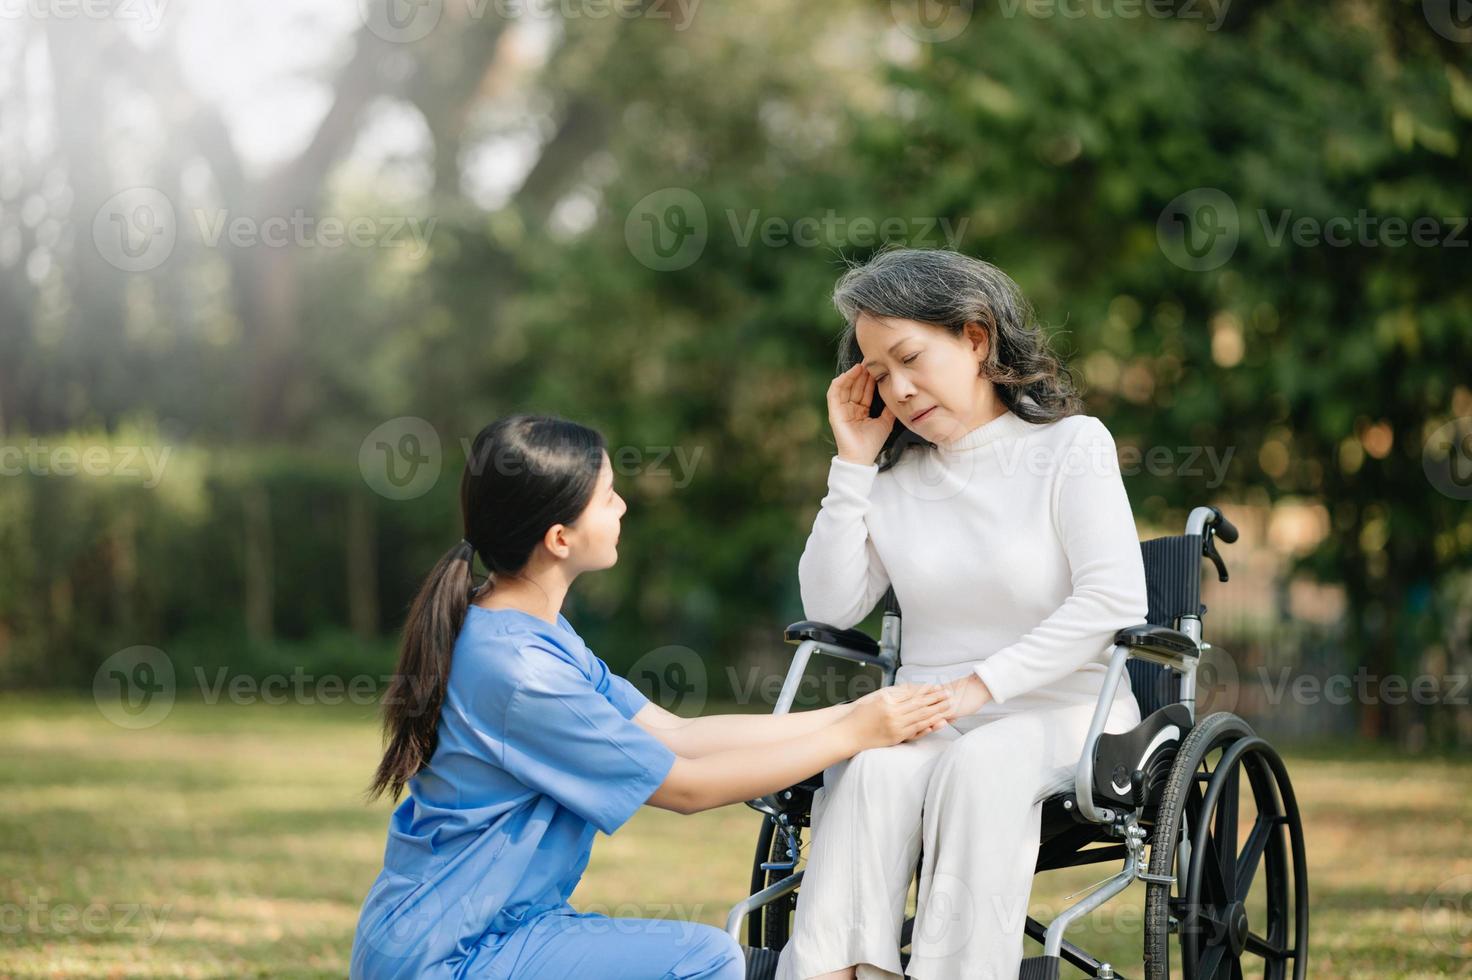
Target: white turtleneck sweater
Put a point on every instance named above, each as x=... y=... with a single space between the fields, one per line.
x=1012 y=551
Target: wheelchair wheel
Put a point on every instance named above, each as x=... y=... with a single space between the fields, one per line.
x=1239 y=904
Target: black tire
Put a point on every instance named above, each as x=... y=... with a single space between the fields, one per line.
x=1210 y=917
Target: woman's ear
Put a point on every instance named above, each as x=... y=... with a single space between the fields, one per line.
x=978 y=338
x=556 y=541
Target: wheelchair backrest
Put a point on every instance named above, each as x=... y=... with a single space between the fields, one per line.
x=1173 y=585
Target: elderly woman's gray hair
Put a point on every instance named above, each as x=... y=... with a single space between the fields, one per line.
x=949 y=290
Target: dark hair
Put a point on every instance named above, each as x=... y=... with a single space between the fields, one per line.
x=948 y=289
x=524 y=474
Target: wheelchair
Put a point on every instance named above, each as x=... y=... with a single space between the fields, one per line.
x=1166 y=798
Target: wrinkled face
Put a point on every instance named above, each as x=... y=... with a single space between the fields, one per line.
x=929 y=377
x=593 y=537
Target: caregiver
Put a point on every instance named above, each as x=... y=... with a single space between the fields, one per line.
x=515 y=742
x=998 y=515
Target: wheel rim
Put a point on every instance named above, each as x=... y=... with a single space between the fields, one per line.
x=1226 y=925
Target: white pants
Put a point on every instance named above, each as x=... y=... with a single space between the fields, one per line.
x=972 y=793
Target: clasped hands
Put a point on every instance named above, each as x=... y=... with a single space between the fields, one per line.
x=943 y=702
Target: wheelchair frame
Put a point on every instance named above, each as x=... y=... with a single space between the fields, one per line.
x=1178 y=650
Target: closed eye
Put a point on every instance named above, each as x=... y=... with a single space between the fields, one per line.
x=907 y=360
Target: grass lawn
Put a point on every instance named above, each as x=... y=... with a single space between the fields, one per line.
x=230 y=841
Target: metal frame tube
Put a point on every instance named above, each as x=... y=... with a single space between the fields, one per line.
x=1083 y=776
x=751 y=903
x=800 y=658
x=1053 y=938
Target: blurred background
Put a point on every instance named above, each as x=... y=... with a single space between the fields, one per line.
x=266 y=270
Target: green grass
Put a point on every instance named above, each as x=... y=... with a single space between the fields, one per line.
x=231 y=841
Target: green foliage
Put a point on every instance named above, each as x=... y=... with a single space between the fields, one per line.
x=1050 y=145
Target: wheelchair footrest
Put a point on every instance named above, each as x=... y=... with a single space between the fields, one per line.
x=1039 y=968
x=761 y=964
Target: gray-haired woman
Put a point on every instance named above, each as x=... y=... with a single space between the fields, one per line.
x=997 y=513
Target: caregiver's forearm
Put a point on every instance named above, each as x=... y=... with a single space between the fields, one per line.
x=746 y=773
x=717 y=733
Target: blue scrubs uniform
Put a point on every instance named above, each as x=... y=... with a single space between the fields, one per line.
x=536 y=750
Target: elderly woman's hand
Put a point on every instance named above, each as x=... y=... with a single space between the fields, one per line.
x=947 y=711
x=968 y=695
x=898 y=713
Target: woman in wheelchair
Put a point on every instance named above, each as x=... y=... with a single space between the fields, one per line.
x=515 y=742
x=967 y=480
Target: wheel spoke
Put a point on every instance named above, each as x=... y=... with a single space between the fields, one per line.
x=1210 y=925
x=1225 y=824
x=1260 y=946
x=1211 y=962
x=1257 y=842
x=1213 y=882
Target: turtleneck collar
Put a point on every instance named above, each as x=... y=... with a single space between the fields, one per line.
x=1004 y=426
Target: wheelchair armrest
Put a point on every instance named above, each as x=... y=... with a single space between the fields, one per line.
x=855 y=640
x=1159 y=644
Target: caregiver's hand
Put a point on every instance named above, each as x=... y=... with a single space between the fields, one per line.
x=859 y=438
x=898 y=713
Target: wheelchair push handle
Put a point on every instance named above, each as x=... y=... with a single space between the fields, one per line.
x=1209 y=524
x=1224 y=528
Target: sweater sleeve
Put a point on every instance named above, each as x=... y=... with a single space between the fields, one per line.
x=840 y=575
x=1097 y=531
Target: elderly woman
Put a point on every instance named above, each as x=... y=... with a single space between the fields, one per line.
x=966 y=479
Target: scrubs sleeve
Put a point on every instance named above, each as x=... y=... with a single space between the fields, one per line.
x=564 y=739
x=626 y=697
